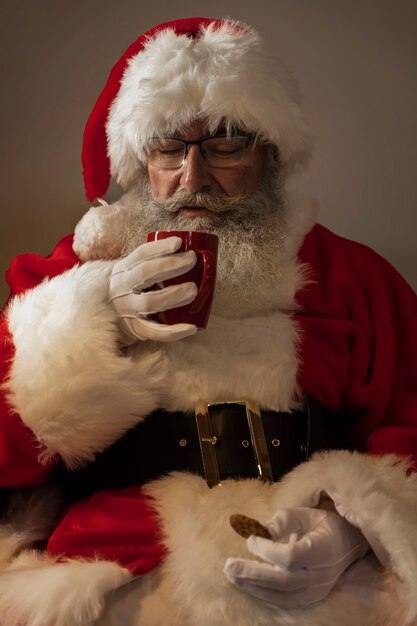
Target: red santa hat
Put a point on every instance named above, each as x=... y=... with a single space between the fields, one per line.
x=179 y=71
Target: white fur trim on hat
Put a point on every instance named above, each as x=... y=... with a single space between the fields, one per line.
x=222 y=76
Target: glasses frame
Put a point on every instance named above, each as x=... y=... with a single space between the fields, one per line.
x=199 y=142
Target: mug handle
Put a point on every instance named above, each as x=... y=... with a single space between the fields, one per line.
x=207 y=279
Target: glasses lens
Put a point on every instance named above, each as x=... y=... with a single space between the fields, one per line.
x=166 y=153
x=224 y=151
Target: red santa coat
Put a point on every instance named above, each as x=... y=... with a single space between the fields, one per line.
x=345 y=335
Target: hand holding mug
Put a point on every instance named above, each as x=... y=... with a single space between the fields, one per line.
x=164 y=289
x=148 y=265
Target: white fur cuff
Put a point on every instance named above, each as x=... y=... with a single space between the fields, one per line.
x=379 y=495
x=69 y=381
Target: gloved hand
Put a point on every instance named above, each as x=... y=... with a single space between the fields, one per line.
x=310 y=549
x=149 y=264
x=356 y=520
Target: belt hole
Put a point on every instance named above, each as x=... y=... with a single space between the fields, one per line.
x=303 y=447
x=245 y=443
x=183 y=443
x=276 y=443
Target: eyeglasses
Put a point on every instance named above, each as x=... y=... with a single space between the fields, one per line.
x=219 y=151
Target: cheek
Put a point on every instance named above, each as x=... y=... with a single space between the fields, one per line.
x=162 y=183
x=244 y=181
x=251 y=179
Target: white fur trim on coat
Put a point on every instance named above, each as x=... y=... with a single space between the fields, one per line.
x=199 y=539
x=261 y=351
x=36 y=590
x=381 y=497
x=69 y=382
x=224 y=75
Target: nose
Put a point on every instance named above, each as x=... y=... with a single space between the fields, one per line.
x=195 y=174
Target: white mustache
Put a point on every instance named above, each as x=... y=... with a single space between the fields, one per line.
x=215 y=203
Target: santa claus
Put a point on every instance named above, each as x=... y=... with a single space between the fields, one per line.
x=127 y=444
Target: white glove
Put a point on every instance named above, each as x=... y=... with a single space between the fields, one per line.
x=356 y=520
x=310 y=549
x=149 y=264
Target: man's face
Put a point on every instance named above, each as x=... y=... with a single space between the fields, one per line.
x=243 y=205
x=196 y=175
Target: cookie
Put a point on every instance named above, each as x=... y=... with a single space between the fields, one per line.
x=247 y=526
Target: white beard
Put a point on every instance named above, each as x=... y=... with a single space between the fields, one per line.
x=251 y=233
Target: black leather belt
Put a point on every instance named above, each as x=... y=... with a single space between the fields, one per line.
x=218 y=441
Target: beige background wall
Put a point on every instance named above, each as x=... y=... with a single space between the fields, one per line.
x=356 y=62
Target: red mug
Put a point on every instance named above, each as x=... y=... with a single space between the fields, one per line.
x=203 y=274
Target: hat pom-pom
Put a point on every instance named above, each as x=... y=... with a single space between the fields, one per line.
x=101 y=232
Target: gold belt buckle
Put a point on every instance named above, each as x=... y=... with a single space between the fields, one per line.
x=208 y=441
